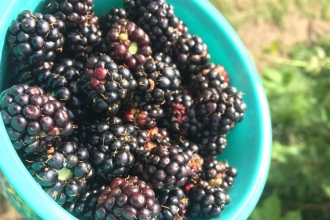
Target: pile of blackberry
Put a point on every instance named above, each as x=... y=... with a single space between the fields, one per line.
x=120 y=116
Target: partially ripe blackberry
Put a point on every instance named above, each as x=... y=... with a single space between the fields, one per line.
x=111 y=17
x=218 y=173
x=127 y=198
x=62 y=171
x=72 y=12
x=106 y=84
x=189 y=53
x=173 y=204
x=181 y=116
x=157 y=82
x=128 y=44
x=162 y=25
x=165 y=168
x=36 y=37
x=33 y=119
x=145 y=116
x=206 y=201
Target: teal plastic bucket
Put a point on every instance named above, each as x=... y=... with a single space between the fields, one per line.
x=249 y=144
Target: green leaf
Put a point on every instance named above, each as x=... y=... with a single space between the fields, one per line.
x=292 y=215
x=272 y=74
x=271 y=207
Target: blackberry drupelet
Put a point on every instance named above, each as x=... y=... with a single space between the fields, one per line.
x=106 y=84
x=173 y=204
x=127 y=198
x=128 y=44
x=157 y=82
x=112 y=147
x=72 y=12
x=189 y=53
x=220 y=111
x=162 y=25
x=111 y=17
x=33 y=119
x=206 y=201
x=62 y=171
x=165 y=168
x=218 y=173
x=36 y=37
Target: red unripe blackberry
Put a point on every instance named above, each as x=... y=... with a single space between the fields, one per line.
x=165 y=168
x=35 y=37
x=127 y=44
x=127 y=198
x=33 y=119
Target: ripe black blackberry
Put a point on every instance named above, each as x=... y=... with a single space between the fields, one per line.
x=62 y=171
x=112 y=147
x=23 y=72
x=33 y=120
x=127 y=198
x=72 y=12
x=173 y=204
x=206 y=201
x=220 y=111
x=218 y=173
x=157 y=82
x=128 y=44
x=162 y=25
x=209 y=144
x=136 y=8
x=84 y=39
x=105 y=84
x=85 y=205
x=165 y=168
x=189 y=53
x=111 y=17
x=145 y=116
x=210 y=76
x=36 y=37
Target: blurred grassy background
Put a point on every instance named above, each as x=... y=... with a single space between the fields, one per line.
x=289 y=41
